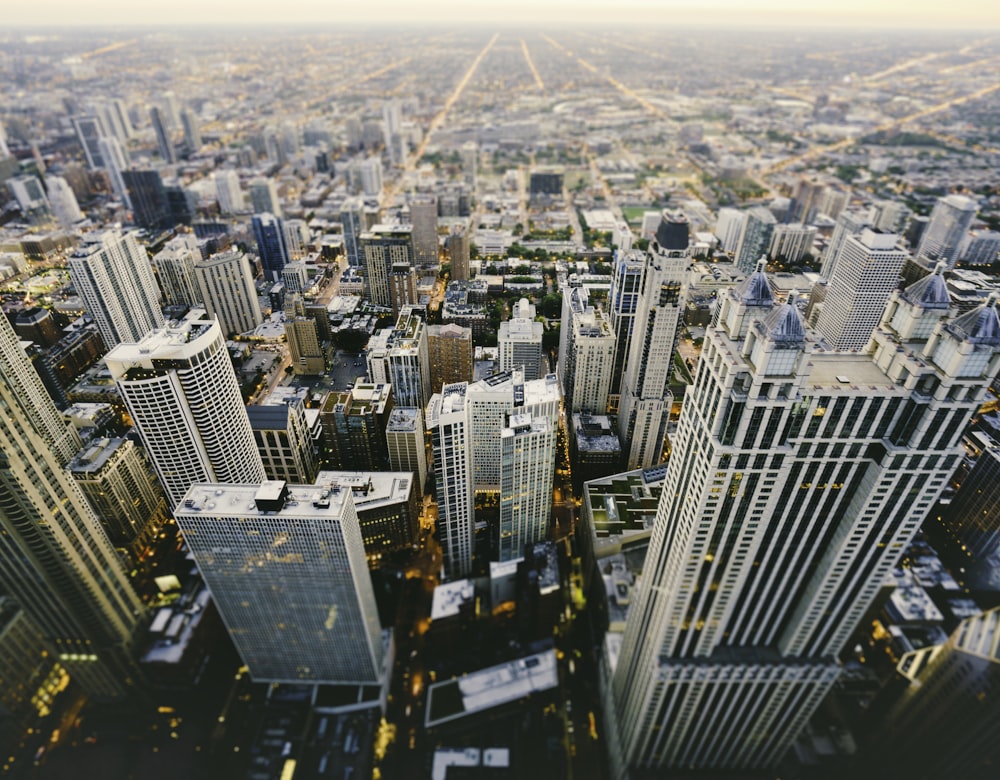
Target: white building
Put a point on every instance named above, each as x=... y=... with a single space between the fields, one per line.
x=382 y=248
x=520 y=342
x=946 y=232
x=264 y=197
x=174 y=266
x=63 y=202
x=645 y=395
x=728 y=228
x=791 y=242
x=115 y=160
x=587 y=354
x=448 y=422
x=180 y=389
x=404 y=438
x=866 y=272
x=228 y=192
x=399 y=356
x=781 y=515
x=113 y=276
x=286 y=567
x=527 y=464
x=226 y=288
x=755 y=238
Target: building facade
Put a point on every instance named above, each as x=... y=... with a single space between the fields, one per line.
x=226 y=289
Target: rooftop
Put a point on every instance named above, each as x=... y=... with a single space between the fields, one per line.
x=449 y=598
x=491 y=687
x=240 y=501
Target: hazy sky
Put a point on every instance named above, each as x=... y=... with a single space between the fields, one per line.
x=966 y=14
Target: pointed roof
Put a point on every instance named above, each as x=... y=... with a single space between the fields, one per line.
x=755 y=290
x=931 y=292
x=979 y=326
x=784 y=324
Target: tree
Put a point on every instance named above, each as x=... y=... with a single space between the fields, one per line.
x=552 y=305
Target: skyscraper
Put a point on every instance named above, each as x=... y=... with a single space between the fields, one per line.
x=399 y=356
x=228 y=192
x=264 y=197
x=55 y=558
x=755 y=238
x=148 y=196
x=353 y=427
x=286 y=567
x=944 y=723
x=449 y=349
x=448 y=422
x=457 y=245
x=284 y=440
x=163 y=140
x=404 y=437
x=628 y=271
x=113 y=276
x=174 y=266
x=353 y=220
x=382 y=248
x=272 y=246
x=424 y=218
x=645 y=393
x=519 y=342
x=116 y=162
x=63 y=202
x=180 y=389
x=192 y=135
x=587 y=354
x=89 y=131
x=527 y=459
x=225 y=287
x=849 y=223
x=798 y=478
x=866 y=271
x=949 y=224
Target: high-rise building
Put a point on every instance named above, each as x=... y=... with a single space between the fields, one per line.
x=30 y=197
x=284 y=440
x=382 y=248
x=728 y=228
x=272 y=246
x=55 y=558
x=113 y=276
x=889 y=215
x=404 y=438
x=148 y=196
x=490 y=402
x=755 y=238
x=174 y=265
x=370 y=172
x=192 y=134
x=520 y=342
x=527 y=459
x=304 y=344
x=180 y=389
x=353 y=427
x=586 y=354
x=982 y=249
x=945 y=234
x=448 y=422
x=116 y=162
x=866 y=271
x=226 y=289
x=89 y=131
x=646 y=399
x=264 y=197
x=118 y=480
x=457 y=245
x=399 y=356
x=424 y=219
x=943 y=724
x=4 y=149
x=449 y=349
x=228 y=192
x=63 y=202
x=798 y=478
x=163 y=140
x=849 y=223
x=294 y=592
x=402 y=286
x=353 y=220
x=470 y=158
x=791 y=243
x=628 y=272
x=972 y=518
